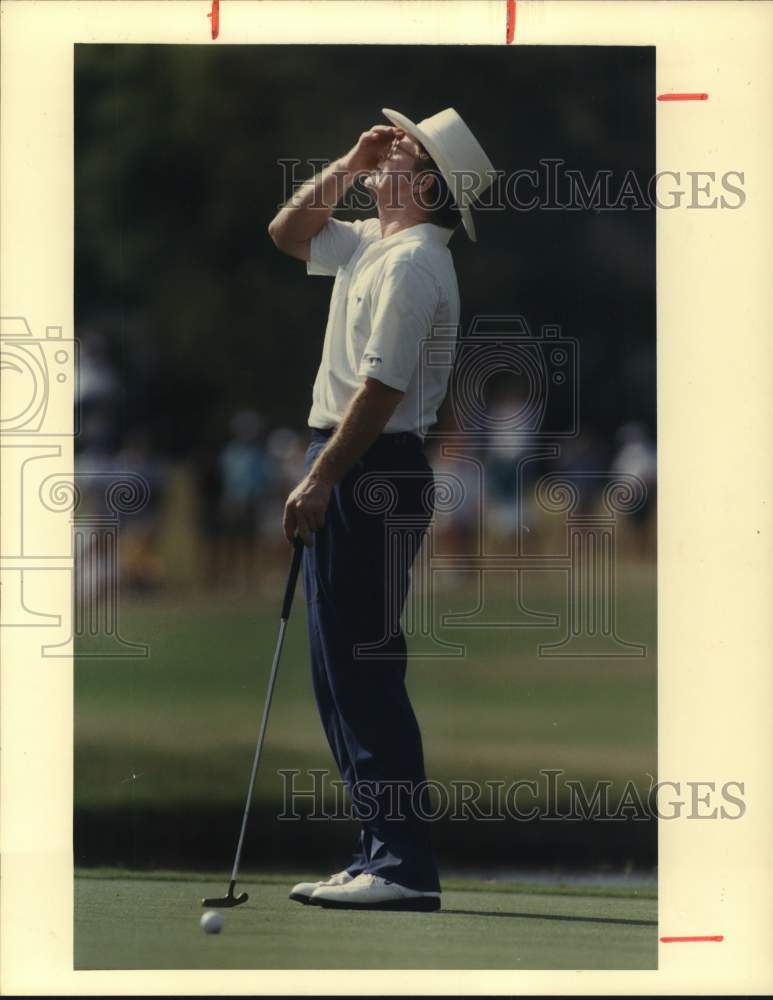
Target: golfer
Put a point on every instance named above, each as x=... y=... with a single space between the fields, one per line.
x=365 y=502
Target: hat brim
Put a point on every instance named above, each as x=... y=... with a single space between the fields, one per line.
x=437 y=155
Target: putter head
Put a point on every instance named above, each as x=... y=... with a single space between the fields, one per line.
x=225 y=902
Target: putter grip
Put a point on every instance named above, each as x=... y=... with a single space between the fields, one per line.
x=292 y=579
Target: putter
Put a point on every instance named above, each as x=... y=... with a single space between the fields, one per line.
x=230 y=899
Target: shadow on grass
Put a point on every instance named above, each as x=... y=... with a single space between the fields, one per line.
x=553 y=916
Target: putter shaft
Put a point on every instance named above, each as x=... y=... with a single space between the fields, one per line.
x=230 y=900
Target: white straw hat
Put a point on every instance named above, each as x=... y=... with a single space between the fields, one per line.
x=458 y=154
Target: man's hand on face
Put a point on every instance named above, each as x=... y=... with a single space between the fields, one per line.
x=305 y=509
x=372 y=147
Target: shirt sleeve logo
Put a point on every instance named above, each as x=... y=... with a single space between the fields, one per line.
x=372 y=360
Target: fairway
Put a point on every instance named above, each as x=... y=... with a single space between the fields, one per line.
x=184 y=719
x=135 y=922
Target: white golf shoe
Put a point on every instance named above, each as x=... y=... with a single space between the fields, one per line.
x=371 y=892
x=303 y=890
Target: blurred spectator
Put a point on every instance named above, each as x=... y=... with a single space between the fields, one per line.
x=582 y=462
x=97 y=378
x=637 y=456
x=506 y=504
x=457 y=526
x=206 y=471
x=98 y=393
x=286 y=453
x=244 y=478
x=142 y=567
x=93 y=469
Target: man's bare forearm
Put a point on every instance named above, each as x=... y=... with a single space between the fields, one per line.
x=365 y=418
x=307 y=211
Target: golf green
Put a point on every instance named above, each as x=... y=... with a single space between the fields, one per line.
x=130 y=921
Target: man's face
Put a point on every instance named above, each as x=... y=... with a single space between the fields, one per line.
x=392 y=180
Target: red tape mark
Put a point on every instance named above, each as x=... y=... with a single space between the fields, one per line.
x=708 y=937
x=510 y=31
x=214 y=15
x=683 y=97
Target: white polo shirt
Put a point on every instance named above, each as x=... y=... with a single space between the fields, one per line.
x=388 y=295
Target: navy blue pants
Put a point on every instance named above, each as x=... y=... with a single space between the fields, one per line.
x=356 y=578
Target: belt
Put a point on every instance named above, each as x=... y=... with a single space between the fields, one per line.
x=396 y=439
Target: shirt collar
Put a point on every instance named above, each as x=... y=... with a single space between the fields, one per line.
x=425 y=232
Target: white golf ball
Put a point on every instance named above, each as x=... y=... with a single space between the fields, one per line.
x=211 y=922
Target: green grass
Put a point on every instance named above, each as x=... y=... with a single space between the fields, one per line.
x=151 y=922
x=184 y=720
